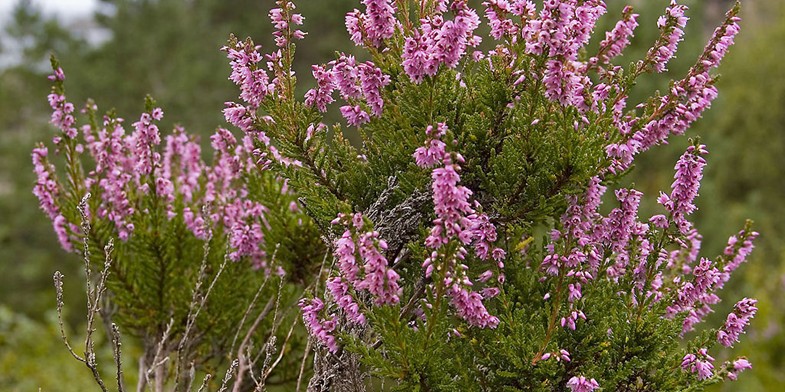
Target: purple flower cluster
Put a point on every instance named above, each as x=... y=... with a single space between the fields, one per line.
x=562 y=29
x=688 y=98
x=283 y=19
x=361 y=262
x=253 y=81
x=736 y=252
x=439 y=41
x=700 y=363
x=361 y=267
x=340 y=293
x=582 y=384
x=373 y=26
x=671 y=26
x=697 y=296
x=498 y=11
x=143 y=142
x=737 y=321
x=318 y=327
x=737 y=367
x=131 y=168
x=47 y=190
x=62 y=113
x=356 y=83
x=681 y=201
x=457 y=222
x=575 y=254
x=617 y=39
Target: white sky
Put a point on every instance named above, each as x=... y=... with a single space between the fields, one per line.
x=63 y=8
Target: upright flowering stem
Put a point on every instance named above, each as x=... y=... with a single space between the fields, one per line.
x=456 y=225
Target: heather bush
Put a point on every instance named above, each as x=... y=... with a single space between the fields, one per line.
x=470 y=236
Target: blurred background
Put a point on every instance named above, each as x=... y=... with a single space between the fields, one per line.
x=117 y=51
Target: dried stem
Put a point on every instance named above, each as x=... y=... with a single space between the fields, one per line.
x=228 y=376
x=206 y=381
x=117 y=356
x=253 y=302
x=195 y=305
x=302 y=364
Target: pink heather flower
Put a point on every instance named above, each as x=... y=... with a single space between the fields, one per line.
x=60 y=225
x=340 y=292
x=354 y=82
x=253 y=81
x=58 y=75
x=562 y=29
x=319 y=328
x=418 y=59
x=354 y=23
x=571 y=319
x=496 y=11
x=46 y=188
x=456 y=221
x=379 y=280
x=700 y=364
x=617 y=39
x=469 y=307
x=195 y=223
x=62 y=115
x=321 y=96
x=355 y=115
x=739 y=366
x=737 y=321
x=347 y=76
x=695 y=297
x=244 y=220
x=688 y=98
x=671 y=27
x=143 y=141
x=347 y=262
x=582 y=384
x=362 y=264
x=182 y=164
x=689 y=172
x=284 y=20
x=738 y=249
x=721 y=40
x=434 y=151
x=439 y=41
x=564 y=83
x=239 y=116
x=377 y=24
x=113 y=153
x=620 y=227
x=372 y=80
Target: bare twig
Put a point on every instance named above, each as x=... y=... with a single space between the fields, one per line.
x=253 y=302
x=93 y=298
x=191 y=375
x=195 y=306
x=228 y=376
x=58 y=278
x=206 y=381
x=160 y=358
x=117 y=356
x=302 y=364
x=242 y=356
x=280 y=354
